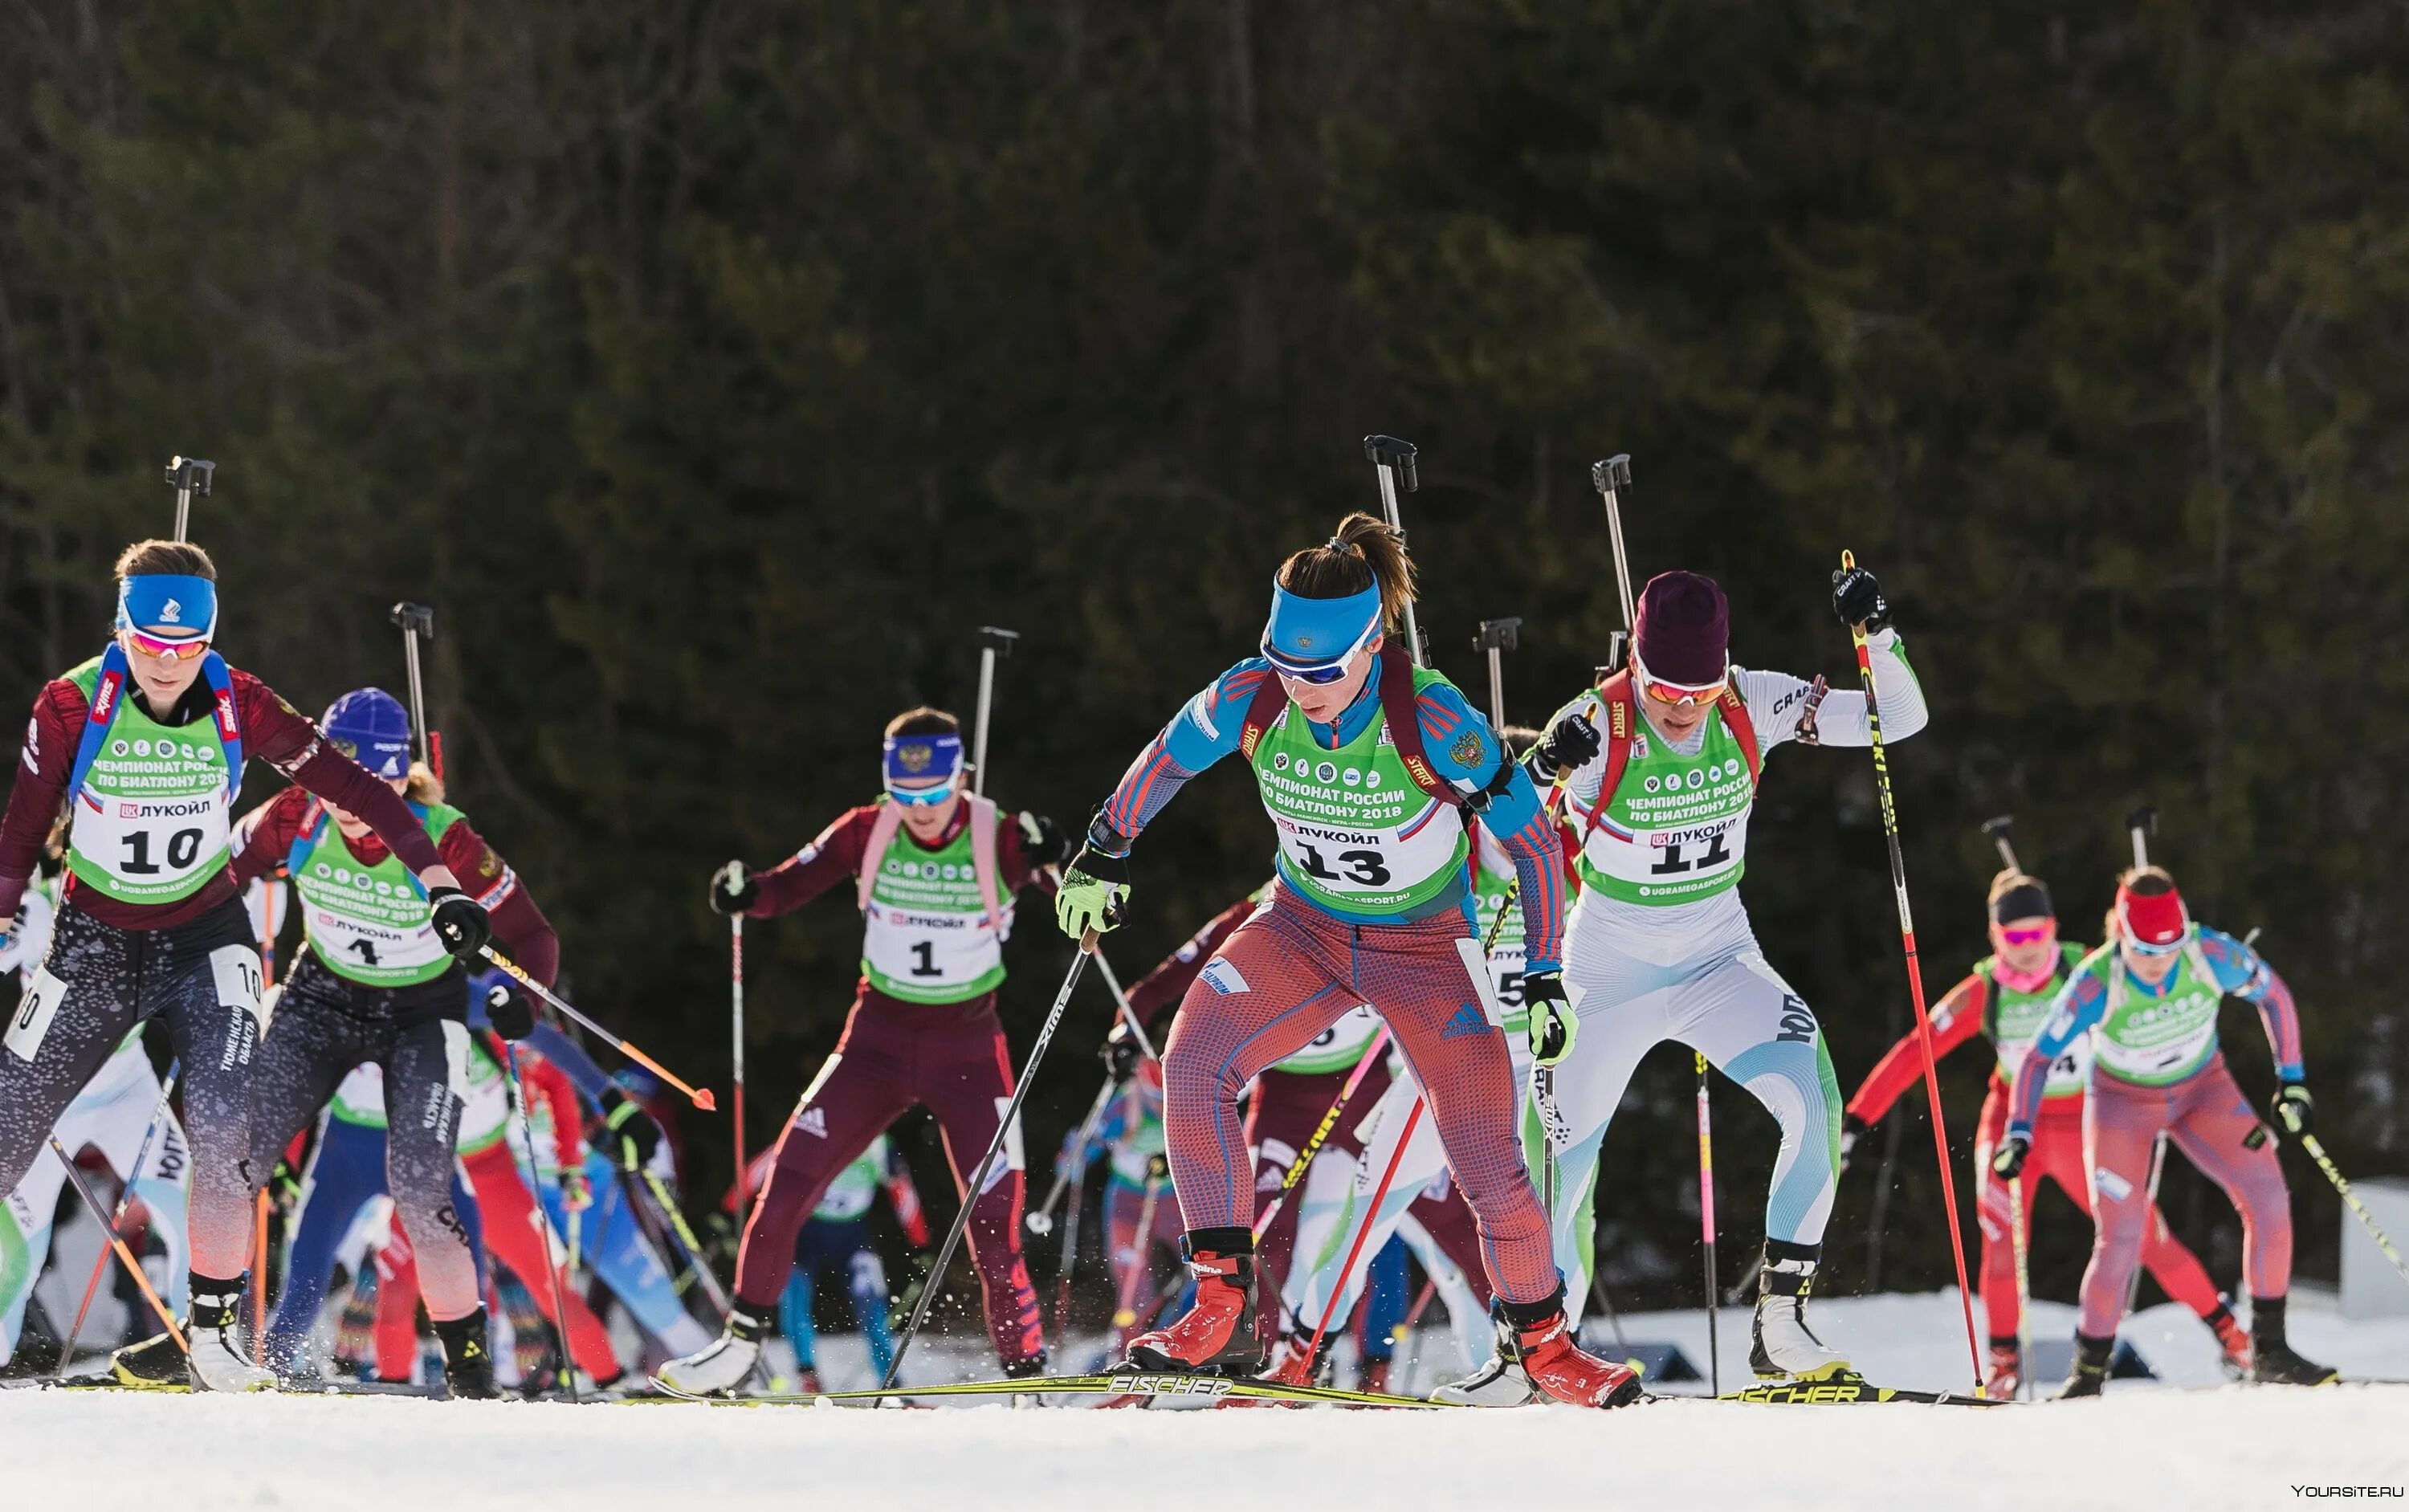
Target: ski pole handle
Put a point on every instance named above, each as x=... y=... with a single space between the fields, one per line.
x=701 y=1098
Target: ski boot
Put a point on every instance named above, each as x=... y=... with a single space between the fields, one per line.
x=1024 y=1370
x=1782 y=1347
x=1543 y=1341
x=216 y=1362
x=2271 y=1359
x=807 y=1381
x=2005 y=1376
x=1376 y=1376
x=1500 y=1383
x=722 y=1365
x=468 y=1360
x=2233 y=1339
x=1216 y=1336
x=1294 y=1364
x=2089 y=1377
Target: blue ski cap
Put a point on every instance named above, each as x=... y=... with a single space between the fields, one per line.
x=926 y=763
x=369 y=725
x=1305 y=635
x=170 y=600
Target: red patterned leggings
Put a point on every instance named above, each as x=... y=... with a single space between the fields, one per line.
x=1284 y=978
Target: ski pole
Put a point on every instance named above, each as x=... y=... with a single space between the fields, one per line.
x=701 y=1099
x=1393 y=460
x=1914 y=977
x=734 y=873
x=417 y=621
x=993 y=642
x=1364 y=1231
x=2150 y=1215
x=668 y=1210
x=117 y=1216
x=2350 y=1199
x=976 y=1187
x=1041 y=1219
x=1706 y=1225
x=259 y=1277
x=117 y=1242
x=190 y=477
x=2024 y=1285
x=1072 y=1178
x=1305 y=1157
x=1125 y=1316
x=543 y=1221
x=1122 y=1006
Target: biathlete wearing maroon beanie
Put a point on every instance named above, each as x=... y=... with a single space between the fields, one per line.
x=1663 y=761
x=934 y=870
x=2147 y=1002
x=145 y=744
x=2005 y=999
x=1365 y=762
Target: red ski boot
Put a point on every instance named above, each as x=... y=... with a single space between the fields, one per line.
x=2231 y=1338
x=1543 y=1341
x=1216 y=1336
x=2005 y=1377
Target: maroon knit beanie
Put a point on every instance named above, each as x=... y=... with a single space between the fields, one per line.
x=1684 y=630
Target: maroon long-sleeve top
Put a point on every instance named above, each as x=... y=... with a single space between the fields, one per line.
x=264 y=838
x=273 y=731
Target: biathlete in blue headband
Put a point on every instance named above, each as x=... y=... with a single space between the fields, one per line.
x=144 y=745
x=934 y=871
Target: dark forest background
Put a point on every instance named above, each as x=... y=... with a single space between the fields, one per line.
x=715 y=368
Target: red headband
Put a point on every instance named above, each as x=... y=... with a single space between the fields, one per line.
x=2151 y=918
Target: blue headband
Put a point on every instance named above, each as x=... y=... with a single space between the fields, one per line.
x=919 y=758
x=167 y=598
x=1305 y=635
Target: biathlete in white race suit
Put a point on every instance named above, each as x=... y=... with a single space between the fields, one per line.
x=145 y=746
x=1365 y=764
x=935 y=869
x=1659 y=945
x=2005 y=999
x=2147 y=1001
x=1334 y=1209
x=111 y=1114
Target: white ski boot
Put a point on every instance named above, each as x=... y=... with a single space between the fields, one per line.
x=721 y=1366
x=219 y=1360
x=1501 y=1383
x=1784 y=1347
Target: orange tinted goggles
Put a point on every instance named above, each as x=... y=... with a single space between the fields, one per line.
x=186 y=649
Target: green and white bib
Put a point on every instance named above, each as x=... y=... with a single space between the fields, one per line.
x=2015 y=1019
x=1356 y=835
x=154 y=817
x=1676 y=829
x=369 y=924
x=1494 y=900
x=849 y=1192
x=927 y=936
x=2156 y=1040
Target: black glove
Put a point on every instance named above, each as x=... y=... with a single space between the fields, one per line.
x=509 y=1013
x=2008 y=1160
x=634 y=1136
x=1852 y=1128
x=2295 y=1110
x=1121 y=1054
x=1045 y=843
x=460 y=922
x=1574 y=742
x=728 y=899
x=1857 y=597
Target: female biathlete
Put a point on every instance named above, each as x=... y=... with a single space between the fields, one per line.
x=375 y=984
x=147 y=741
x=1660 y=948
x=2004 y=998
x=934 y=871
x=2147 y=1000
x=1363 y=761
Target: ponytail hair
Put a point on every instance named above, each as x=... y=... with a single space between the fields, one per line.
x=423 y=785
x=1363 y=551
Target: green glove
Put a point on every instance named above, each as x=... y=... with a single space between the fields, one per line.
x=1091 y=893
x=1553 y=1023
x=2294 y=1108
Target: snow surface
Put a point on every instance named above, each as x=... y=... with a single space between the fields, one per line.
x=2147 y=1445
